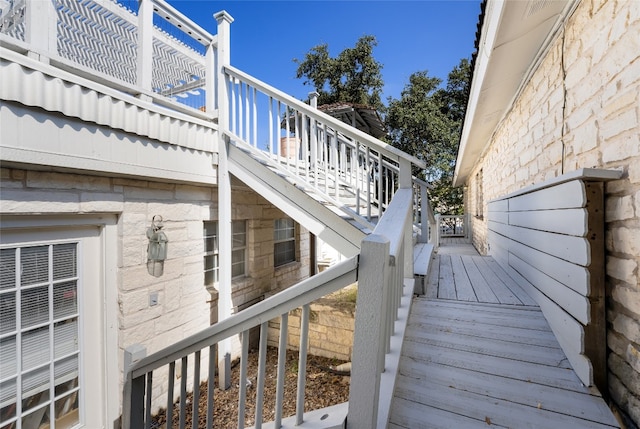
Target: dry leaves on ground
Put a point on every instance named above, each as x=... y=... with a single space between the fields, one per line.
x=323 y=388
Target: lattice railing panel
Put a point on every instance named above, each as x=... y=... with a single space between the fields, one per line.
x=103 y=36
x=12 y=18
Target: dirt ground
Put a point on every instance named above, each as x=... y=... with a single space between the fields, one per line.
x=323 y=388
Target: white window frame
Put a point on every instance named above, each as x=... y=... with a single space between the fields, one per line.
x=284 y=232
x=97 y=306
x=211 y=251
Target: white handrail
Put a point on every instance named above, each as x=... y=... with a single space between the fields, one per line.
x=348 y=131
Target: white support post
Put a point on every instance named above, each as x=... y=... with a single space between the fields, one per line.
x=145 y=44
x=41 y=28
x=437 y=243
x=368 y=340
x=225 y=231
x=424 y=216
x=405 y=181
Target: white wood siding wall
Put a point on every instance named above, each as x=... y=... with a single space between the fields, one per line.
x=551 y=240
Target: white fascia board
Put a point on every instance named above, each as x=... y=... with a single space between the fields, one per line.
x=489 y=31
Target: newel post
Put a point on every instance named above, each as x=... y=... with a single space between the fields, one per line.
x=145 y=44
x=405 y=181
x=224 y=199
x=41 y=29
x=369 y=343
x=424 y=216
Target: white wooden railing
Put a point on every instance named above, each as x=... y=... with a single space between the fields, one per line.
x=139 y=388
x=154 y=52
x=382 y=270
x=345 y=165
x=451 y=226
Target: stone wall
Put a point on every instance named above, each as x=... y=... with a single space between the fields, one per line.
x=331 y=326
x=184 y=305
x=581 y=109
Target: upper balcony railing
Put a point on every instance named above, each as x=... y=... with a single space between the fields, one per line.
x=152 y=51
x=349 y=167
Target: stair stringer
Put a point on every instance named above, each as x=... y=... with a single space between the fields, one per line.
x=321 y=221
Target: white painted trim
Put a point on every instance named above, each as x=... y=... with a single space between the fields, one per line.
x=584 y=174
x=104 y=239
x=488 y=35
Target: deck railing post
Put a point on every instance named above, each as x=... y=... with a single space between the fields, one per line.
x=224 y=198
x=41 y=27
x=437 y=243
x=145 y=44
x=405 y=181
x=369 y=341
x=134 y=390
x=424 y=216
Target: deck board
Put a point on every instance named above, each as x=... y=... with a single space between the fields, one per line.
x=490 y=360
x=462 y=371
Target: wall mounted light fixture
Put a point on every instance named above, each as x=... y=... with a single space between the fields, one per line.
x=157 y=247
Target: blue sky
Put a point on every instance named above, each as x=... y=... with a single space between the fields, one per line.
x=412 y=35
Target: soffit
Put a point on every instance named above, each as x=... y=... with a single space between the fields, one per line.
x=520 y=32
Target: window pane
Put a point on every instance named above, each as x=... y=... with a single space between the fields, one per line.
x=35 y=387
x=7 y=268
x=65 y=299
x=67 y=408
x=210 y=228
x=64 y=261
x=7 y=312
x=65 y=338
x=65 y=371
x=239 y=234
x=211 y=244
x=34 y=305
x=35 y=264
x=284 y=253
x=8 y=358
x=8 y=390
x=237 y=263
x=35 y=348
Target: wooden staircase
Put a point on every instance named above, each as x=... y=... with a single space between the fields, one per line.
x=336 y=224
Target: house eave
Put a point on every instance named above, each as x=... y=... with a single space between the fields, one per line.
x=513 y=38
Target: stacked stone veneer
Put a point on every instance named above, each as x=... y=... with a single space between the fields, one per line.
x=185 y=306
x=581 y=109
x=331 y=328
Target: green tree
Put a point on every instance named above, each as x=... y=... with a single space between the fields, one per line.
x=353 y=76
x=426 y=122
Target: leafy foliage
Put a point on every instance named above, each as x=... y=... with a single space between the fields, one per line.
x=353 y=76
x=426 y=122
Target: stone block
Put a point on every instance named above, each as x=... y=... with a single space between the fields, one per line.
x=619 y=208
x=616 y=342
x=193 y=193
x=626 y=240
x=49 y=180
x=29 y=202
x=628 y=298
x=101 y=202
x=624 y=372
x=633 y=357
x=622 y=269
x=627 y=327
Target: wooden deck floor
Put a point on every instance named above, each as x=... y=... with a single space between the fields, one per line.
x=479 y=353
